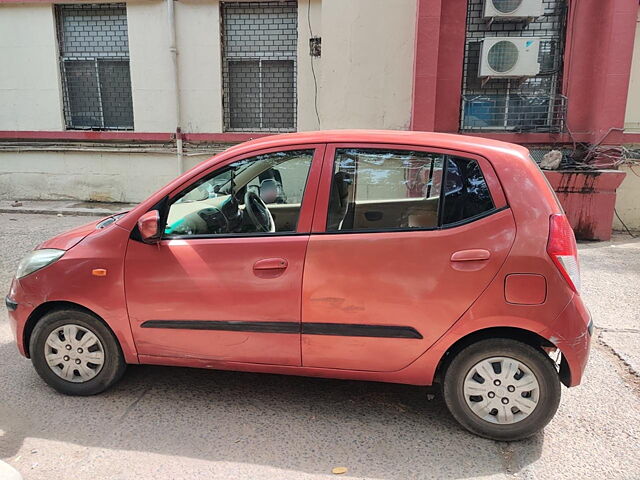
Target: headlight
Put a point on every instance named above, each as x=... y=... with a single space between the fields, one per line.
x=38 y=259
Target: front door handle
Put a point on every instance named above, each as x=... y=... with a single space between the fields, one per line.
x=474 y=255
x=271 y=264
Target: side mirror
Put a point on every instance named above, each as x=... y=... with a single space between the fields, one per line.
x=148 y=227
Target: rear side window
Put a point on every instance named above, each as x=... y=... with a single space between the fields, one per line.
x=381 y=190
x=377 y=189
x=466 y=194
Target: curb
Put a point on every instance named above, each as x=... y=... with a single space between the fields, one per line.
x=60 y=211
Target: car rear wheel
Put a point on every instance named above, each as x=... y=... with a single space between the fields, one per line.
x=76 y=353
x=502 y=389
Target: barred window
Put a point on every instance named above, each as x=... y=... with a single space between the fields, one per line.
x=259 y=65
x=533 y=104
x=94 y=62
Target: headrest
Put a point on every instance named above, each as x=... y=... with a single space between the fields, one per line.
x=342 y=181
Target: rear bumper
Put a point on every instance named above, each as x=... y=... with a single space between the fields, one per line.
x=571 y=333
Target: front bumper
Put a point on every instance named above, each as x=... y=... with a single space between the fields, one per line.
x=19 y=310
x=14 y=321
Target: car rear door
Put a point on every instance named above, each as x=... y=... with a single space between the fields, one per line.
x=392 y=261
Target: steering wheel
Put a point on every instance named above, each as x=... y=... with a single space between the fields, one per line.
x=258 y=212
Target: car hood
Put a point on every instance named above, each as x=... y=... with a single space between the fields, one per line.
x=66 y=240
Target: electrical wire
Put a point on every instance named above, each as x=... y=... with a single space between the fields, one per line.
x=313 y=71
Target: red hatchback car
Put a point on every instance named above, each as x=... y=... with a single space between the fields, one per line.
x=388 y=256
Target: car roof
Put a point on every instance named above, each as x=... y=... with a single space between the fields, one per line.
x=465 y=143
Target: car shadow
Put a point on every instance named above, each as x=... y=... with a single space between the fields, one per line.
x=293 y=423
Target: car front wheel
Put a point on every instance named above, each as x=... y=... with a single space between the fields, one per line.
x=502 y=389
x=76 y=353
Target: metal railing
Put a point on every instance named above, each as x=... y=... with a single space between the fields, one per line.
x=259 y=65
x=514 y=111
x=94 y=65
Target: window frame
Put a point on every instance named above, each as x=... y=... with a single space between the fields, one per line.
x=64 y=59
x=324 y=192
x=256 y=56
x=303 y=226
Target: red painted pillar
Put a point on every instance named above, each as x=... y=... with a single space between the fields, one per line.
x=453 y=26
x=439 y=57
x=598 y=53
x=425 y=66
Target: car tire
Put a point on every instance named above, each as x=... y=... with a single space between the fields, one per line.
x=531 y=394
x=88 y=358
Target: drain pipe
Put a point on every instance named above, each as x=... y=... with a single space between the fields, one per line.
x=171 y=17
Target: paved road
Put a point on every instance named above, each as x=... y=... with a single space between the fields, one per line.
x=172 y=423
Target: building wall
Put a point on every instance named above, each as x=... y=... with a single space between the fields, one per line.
x=367 y=63
x=309 y=12
x=152 y=81
x=628 y=200
x=94 y=176
x=150 y=65
x=30 y=92
x=198 y=36
x=632 y=117
x=364 y=80
x=628 y=195
x=364 y=76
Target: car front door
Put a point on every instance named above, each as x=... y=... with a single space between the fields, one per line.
x=404 y=240
x=224 y=282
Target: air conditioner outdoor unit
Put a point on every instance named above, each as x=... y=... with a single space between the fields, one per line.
x=512 y=9
x=509 y=57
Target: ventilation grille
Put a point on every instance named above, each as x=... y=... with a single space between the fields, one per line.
x=503 y=56
x=506 y=6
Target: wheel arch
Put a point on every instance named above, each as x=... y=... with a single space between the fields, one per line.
x=514 y=333
x=41 y=310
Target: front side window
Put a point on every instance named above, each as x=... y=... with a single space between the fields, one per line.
x=384 y=189
x=257 y=195
x=259 y=65
x=94 y=61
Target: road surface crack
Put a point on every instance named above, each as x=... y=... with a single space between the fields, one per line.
x=625 y=370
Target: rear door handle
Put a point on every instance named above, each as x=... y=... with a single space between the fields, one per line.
x=473 y=255
x=271 y=264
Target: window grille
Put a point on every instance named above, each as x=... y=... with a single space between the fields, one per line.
x=94 y=62
x=259 y=65
x=532 y=104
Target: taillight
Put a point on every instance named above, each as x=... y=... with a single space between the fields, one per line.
x=563 y=250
